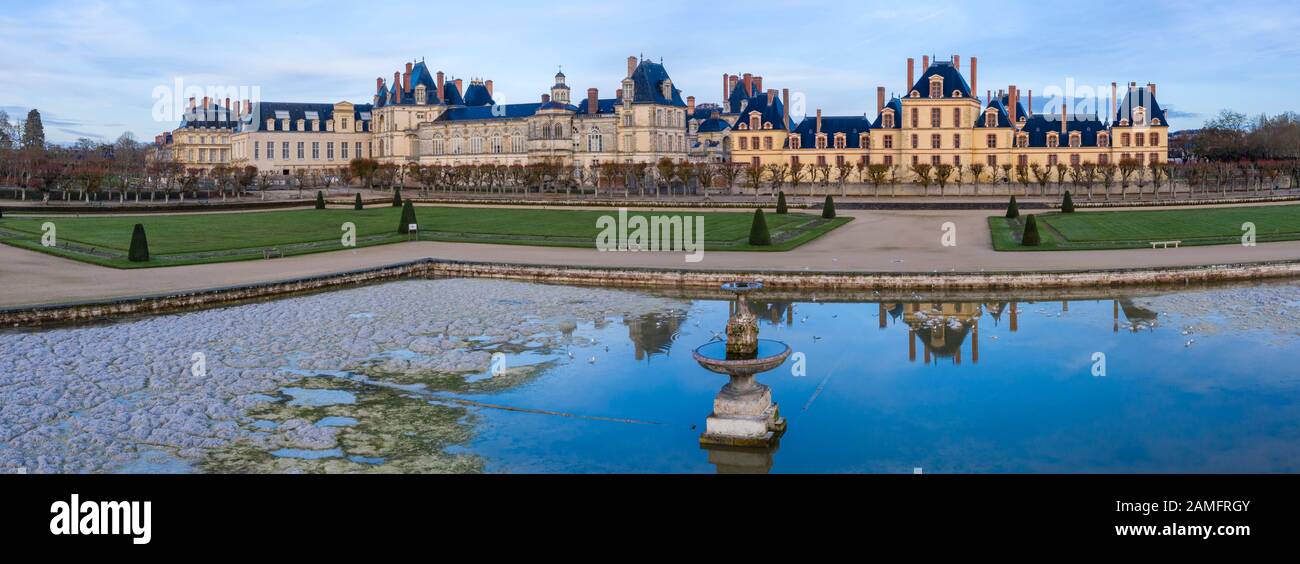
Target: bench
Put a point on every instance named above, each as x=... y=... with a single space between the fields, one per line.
x=1165 y=244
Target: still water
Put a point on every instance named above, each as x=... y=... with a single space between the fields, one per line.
x=591 y=380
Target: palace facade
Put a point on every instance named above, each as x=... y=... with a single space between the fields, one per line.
x=424 y=117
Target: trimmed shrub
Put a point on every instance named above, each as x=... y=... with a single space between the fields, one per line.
x=1013 y=210
x=1030 y=238
x=320 y=200
x=2 y=214
x=780 y=203
x=358 y=205
x=758 y=234
x=139 y=251
x=397 y=197
x=408 y=217
x=828 y=208
x=1067 y=203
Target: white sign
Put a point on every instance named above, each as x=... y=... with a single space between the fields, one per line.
x=412 y=227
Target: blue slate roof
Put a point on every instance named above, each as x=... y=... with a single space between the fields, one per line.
x=952 y=80
x=603 y=106
x=713 y=125
x=647 y=80
x=1004 y=119
x=267 y=110
x=897 y=105
x=477 y=95
x=851 y=126
x=506 y=111
x=737 y=96
x=553 y=105
x=213 y=118
x=704 y=111
x=1139 y=97
x=773 y=113
x=1039 y=126
x=420 y=75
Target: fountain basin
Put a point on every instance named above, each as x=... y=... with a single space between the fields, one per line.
x=714 y=357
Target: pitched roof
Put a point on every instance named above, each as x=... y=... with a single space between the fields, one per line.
x=952 y=80
x=713 y=125
x=214 y=117
x=477 y=95
x=1004 y=119
x=851 y=126
x=773 y=113
x=278 y=111
x=506 y=111
x=647 y=80
x=894 y=104
x=606 y=106
x=1139 y=97
x=1040 y=126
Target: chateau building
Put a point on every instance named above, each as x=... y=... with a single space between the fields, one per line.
x=941 y=120
x=422 y=117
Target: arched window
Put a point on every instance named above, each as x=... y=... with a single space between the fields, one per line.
x=595 y=141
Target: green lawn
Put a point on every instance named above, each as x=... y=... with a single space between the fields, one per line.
x=1091 y=230
x=199 y=238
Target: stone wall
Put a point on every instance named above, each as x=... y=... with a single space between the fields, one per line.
x=777 y=281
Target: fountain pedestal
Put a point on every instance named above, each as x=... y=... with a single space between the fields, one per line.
x=744 y=414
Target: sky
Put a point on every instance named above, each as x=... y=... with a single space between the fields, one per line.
x=95 y=68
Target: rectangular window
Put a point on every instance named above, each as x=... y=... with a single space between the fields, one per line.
x=916 y=118
x=1103 y=159
x=821 y=160
x=1051 y=160
x=956 y=117
x=794 y=161
x=344 y=148
x=329 y=150
x=767 y=143
x=1074 y=160
x=934 y=160
x=284 y=150
x=1141 y=140
x=358 y=154
x=257 y=150
x=1155 y=139
x=302 y=150
x=889 y=160
x=889 y=141
x=956 y=140
x=315 y=150
x=992 y=141
x=935 y=118
x=935 y=142
x=744 y=143
x=916 y=142
x=993 y=160
x=956 y=160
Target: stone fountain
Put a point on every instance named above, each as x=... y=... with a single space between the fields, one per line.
x=743 y=412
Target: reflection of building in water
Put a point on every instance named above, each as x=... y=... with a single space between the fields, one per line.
x=734 y=460
x=774 y=312
x=941 y=328
x=1136 y=317
x=653 y=333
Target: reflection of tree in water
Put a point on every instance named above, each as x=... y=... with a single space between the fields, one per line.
x=653 y=333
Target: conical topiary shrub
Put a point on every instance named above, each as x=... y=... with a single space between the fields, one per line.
x=780 y=203
x=397 y=197
x=1013 y=210
x=320 y=200
x=408 y=218
x=139 y=251
x=358 y=205
x=758 y=234
x=1067 y=203
x=828 y=208
x=1030 y=238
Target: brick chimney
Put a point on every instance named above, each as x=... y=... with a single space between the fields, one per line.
x=631 y=65
x=227 y=103
x=726 y=80
x=758 y=84
x=488 y=85
x=956 y=62
x=460 y=86
x=441 y=93
x=732 y=82
x=397 y=81
x=785 y=107
x=618 y=94
x=771 y=96
x=974 y=76
x=379 y=83
x=749 y=84
x=690 y=104
x=1063 y=129
x=880 y=99
x=1151 y=87
x=1012 y=104
x=1114 y=99
x=911 y=76
x=192 y=106
x=205 y=103
x=593 y=101
x=248 y=106
x=925 y=63
x=1030 y=109
x=546 y=98
x=819 y=120
x=406 y=78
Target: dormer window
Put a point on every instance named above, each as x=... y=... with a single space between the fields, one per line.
x=1053 y=140
x=270 y=124
x=1155 y=121
x=991 y=118
x=767 y=125
x=755 y=121
x=936 y=86
x=743 y=127
x=1022 y=140
x=840 y=141
x=914 y=94
x=821 y=140
x=1076 y=140
x=956 y=93
x=420 y=95
x=864 y=140
x=887 y=119
x=1103 y=139
x=668 y=89
x=1140 y=116
x=795 y=141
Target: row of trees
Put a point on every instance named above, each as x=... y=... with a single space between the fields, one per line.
x=1231 y=136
